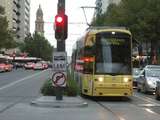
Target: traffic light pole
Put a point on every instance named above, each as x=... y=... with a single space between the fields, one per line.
x=60 y=47
x=61 y=7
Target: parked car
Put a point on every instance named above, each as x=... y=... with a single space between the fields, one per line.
x=45 y=65
x=136 y=74
x=38 y=66
x=147 y=80
x=29 y=65
x=8 y=67
x=18 y=65
x=4 y=67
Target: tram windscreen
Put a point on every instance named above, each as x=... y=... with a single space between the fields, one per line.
x=113 y=53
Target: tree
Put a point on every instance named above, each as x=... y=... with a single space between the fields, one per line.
x=37 y=46
x=140 y=16
x=6 y=36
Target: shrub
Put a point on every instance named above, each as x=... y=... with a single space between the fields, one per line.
x=48 y=89
x=71 y=89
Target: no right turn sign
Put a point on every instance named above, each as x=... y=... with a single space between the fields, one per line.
x=59 y=79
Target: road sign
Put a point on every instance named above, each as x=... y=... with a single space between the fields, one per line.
x=59 y=61
x=59 y=79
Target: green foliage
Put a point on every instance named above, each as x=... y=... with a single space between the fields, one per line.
x=37 y=46
x=6 y=36
x=48 y=89
x=72 y=89
x=140 y=16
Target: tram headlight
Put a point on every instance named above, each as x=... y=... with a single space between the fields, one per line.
x=100 y=79
x=126 y=79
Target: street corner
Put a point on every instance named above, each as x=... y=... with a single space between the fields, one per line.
x=66 y=102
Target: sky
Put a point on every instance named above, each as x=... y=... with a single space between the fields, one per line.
x=75 y=15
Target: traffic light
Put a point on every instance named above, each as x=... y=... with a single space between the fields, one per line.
x=61 y=27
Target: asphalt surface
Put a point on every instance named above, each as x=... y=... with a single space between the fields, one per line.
x=14 y=75
x=17 y=94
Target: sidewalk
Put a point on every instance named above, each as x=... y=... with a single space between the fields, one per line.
x=66 y=102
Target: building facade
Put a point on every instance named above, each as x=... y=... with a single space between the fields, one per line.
x=103 y=4
x=18 y=16
x=39 y=23
x=24 y=18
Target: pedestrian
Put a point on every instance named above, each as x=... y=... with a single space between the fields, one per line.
x=154 y=60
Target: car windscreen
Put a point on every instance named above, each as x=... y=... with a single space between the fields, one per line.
x=152 y=73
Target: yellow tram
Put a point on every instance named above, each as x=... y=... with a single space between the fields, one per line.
x=102 y=62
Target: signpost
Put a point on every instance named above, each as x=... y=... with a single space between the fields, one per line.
x=60 y=56
x=60 y=61
x=59 y=69
x=59 y=76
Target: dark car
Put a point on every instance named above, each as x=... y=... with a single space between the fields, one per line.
x=18 y=65
x=157 y=92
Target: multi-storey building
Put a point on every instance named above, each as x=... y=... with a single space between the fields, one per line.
x=11 y=12
x=24 y=18
x=103 y=4
x=18 y=16
x=39 y=23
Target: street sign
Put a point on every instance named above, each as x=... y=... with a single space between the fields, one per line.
x=59 y=61
x=59 y=79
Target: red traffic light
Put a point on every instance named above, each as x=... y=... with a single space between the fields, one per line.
x=61 y=26
x=59 y=19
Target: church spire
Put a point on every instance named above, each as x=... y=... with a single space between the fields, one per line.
x=39 y=23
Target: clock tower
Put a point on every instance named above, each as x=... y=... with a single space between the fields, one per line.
x=39 y=23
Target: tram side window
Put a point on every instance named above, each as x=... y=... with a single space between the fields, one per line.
x=88 y=62
x=78 y=62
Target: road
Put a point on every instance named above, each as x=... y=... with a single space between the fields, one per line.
x=19 y=87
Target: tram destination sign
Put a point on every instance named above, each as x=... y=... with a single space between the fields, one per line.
x=59 y=61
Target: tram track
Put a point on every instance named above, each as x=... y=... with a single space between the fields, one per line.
x=137 y=102
x=111 y=111
x=116 y=115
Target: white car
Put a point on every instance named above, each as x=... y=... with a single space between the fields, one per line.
x=38 y=66
x=152 y=67
x=147 y=80
x=29 y=65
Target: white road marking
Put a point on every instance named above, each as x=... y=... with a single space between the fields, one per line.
x=150 y=111
x=148 y=105
x=146 y=99
x=20 y=80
